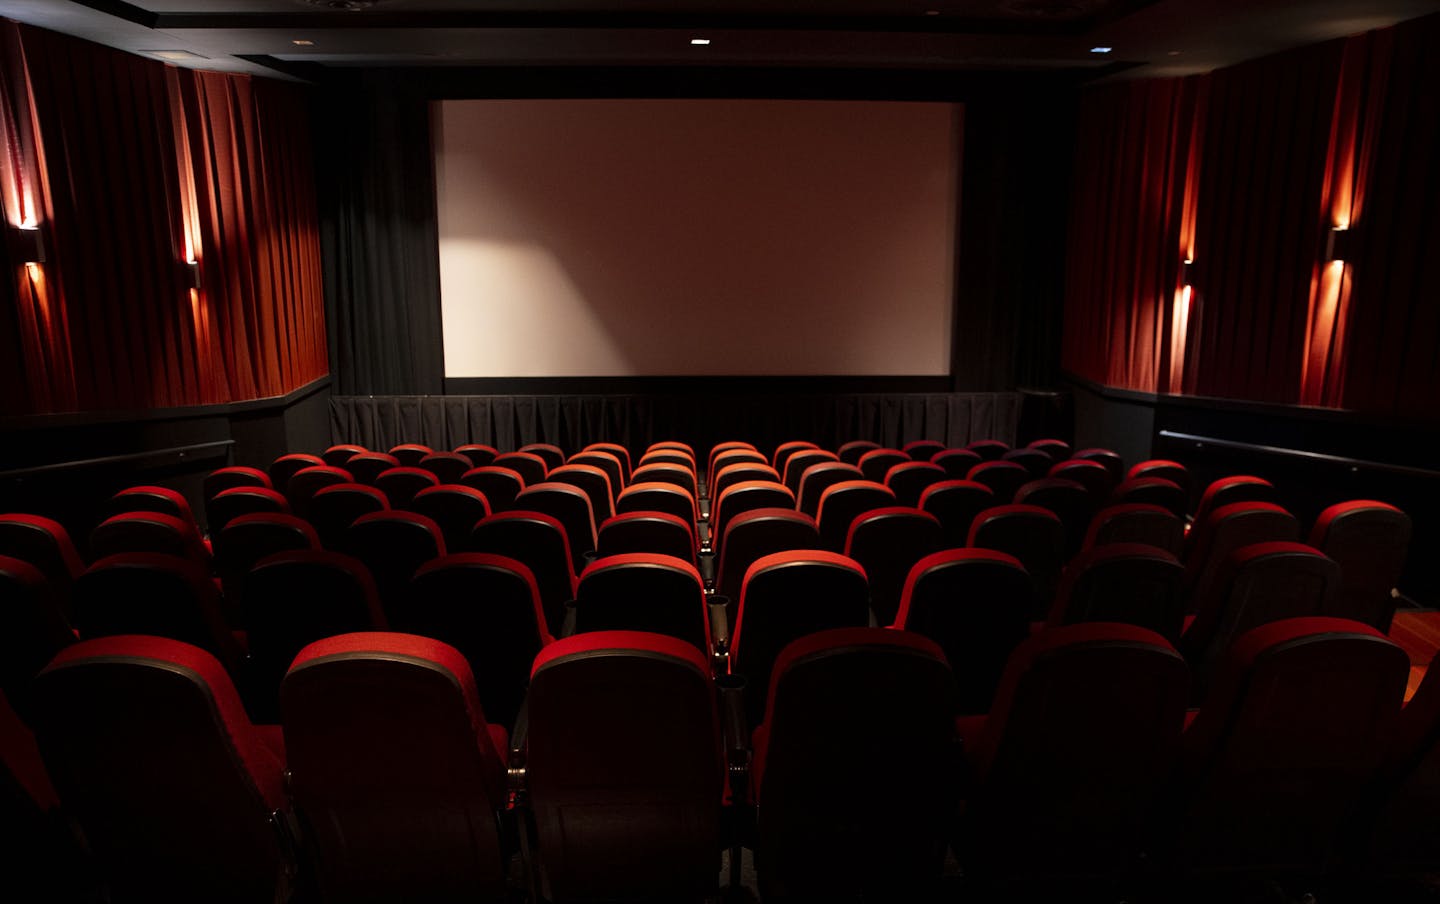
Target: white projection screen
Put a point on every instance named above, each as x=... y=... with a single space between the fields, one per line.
x=621 y=238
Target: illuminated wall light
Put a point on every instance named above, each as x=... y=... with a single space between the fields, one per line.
x=302 y=42
x=1101 y=49
x=699 y=42
x=27 y=243
x=1340 y=245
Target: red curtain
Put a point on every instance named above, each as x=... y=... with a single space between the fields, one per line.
x=147 y=167
x=1128 y=238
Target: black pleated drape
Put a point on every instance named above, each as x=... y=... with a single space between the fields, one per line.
x=379 y=239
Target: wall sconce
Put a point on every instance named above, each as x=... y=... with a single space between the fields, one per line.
x=1187 y=272
x=1340 y=245
x=190 y=274
x=27 y=244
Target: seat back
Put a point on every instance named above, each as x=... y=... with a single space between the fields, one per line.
x=786 y=596
x=617 y=450
x=162 y=500
x=1285 y=744
x=752 y=535
x=1069 y=500
x=571 y=507
x=306 y=482
x=796 y=464
x=232 y=503
x=732 y=457
x=148 y=532
x=820 y=477
x=479 y=453
x=410 y=454
x=608 y=462
x=651 y=496
x=746 y=496
x=956 y=503
x=1057 y=449
x=1160 y=491
x=1239 y=488
x=222 y=479
x=1404 y=836
x=876 y=463
x=250 y=538
x=448 y=467
x=1129 y=583
x=499 y=485
x=785 y=450
x=740 y=472
x=842 y=503
x=456 y=508
x=1227 y=529
x=367 y=466
x=632 y=820
x=1370 y=540
x=1033 y=460
x=334 y=509
x=1032 y=535
x=593 y=481
x=681 y=475
x=887 y=542
x=1003 y=478
x=850 y=453
x=844 y=707
x=488 y=607
x=1107 y=457
x=33 y=628
x=44 y=543
x=956 y=462
x=654 y=532
x=527 y=464
x=1136 y=522
x=401 y=484
x=976 y=604
x=393 y=545
x=988 y=449
x=551 y=454
x=922 y=449
x=394 y=771
x=151 y=751
x=1089 y=474
x=909 y=480
x=285 y=467
x=673 y=457
x=294 y=599
x=1082 y=738
x=537 y=541
x=1164 y=469
x=644 y=592
x=336 y=456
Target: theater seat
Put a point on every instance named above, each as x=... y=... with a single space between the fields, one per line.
x=335 y=508
x=395 y=771
x=336 y=456
x=617 y=450
x=250 y=538
x=796 y=464
x=1065 y=770
x=1284 y=746
x=644 y=592
x=1136 y=522
x=956 y=462
x=855 y=768
x=1003 y=478
x=149 y=532
x=367 y=466
x=851 y=452
x=457 y=509
x=887 y=542
x=786 y=596
x=488 y=607
x=1164 y=469
x=653 y=496
x=740 y=472
x=222 y=479
x=294 y=599
x=655 y=532
x=551 y=454
x=1089 y=474
x=1032 y=460
x=842 y=503
x=608 y=462
x=1069 y=500
x=1032 y=535
x=1370 y=541
x=232 y=503
x=401 y=484
x=921 y=450
x=820 y=477
x=539 y=542
x=448 y=467
x=636 y=818
x=479 y=453
x=675 y=458
x=784 y=451
x=988 y=449
x=722 y=460
x=151 y=499
x=33 y=628
x=909 y=480
x=180 y=798
x=739 y=498
x=593 y=481
x=1057 y=449
x=681 y=475
x=1167 y=494
x=527 y=464
x=1129 y=583
x=1239 y=488
x=751 y=536
x=876 y=463
x=1399 y=830
x=284 y=467
x=306 y=482
x=956 y=503
x=44 y=543
x=410 y=454
x=976 y=604
x=571 y=507
x=1227 y=529
x=500 y=486
x=393 y=545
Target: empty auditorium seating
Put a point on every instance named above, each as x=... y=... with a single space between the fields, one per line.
x=1238 y=488
x=786 y=596
x=1065 y=770
x=499 y=485
x=876 y=463
x=689 y=449
x=410 y=454
x=393 y=545
x=1032 y=535
x=796 y=464
x=787 y=449
x=636 y=817
x=854 y=768
x=151 y=499
x=675 y=457
x=730 y=457
x=956 y=503
x=571 y=507
x=448 y=467
x=294 y=599
x=551 y=454
x=956 y=462
x=841 y=503
x=335 y=508
x=1003 y=478
x=488 y=607
x=617 y=450
x=306 y=482
x=337 y=455
x=1137 y=522
x=922 y=449
x=1070 y=501
x=1057 y=449
x=1166 y=470
x=988 y=449
x=752 y=535
x=538 y=541
x=652 y=496
x=395 y=770
x=1089 y=474
x=33 y=628
x=820 y=477
x=644 y=592
x=1109 y=459
x=654 y=532
x=681 y=475
x=367 y=466
x=44 y=543
x=1398 y=831
x=1032 y=460
x=529 y=465
x=478 y=453
x=148 y=532
x=1370 y=541
x=180 y=798
x=907 y=481
x=456 y=509
x=593 y=481
x=401 y=484
x=887 y=542
x=742 y=497
x=222 y=479
x=1130 y=583
x=1278 y=756
x=851 y=452
x=237 y=501
x=250 y=538
x=284 y=467
x=1167 y=494
x=1227 y=529
x=608 y=462
x=739 y=472
x=976 y=604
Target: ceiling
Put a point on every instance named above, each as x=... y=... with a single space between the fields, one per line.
x=1147 y=37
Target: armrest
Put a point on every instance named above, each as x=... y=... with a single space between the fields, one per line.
x=515 y=764
x=567 y=627
x=737 y=729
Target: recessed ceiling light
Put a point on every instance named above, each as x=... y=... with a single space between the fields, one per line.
x=699 y=41
x=175 y=55
x=1174 y=53
x=302 y=42
x=1101 y=49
